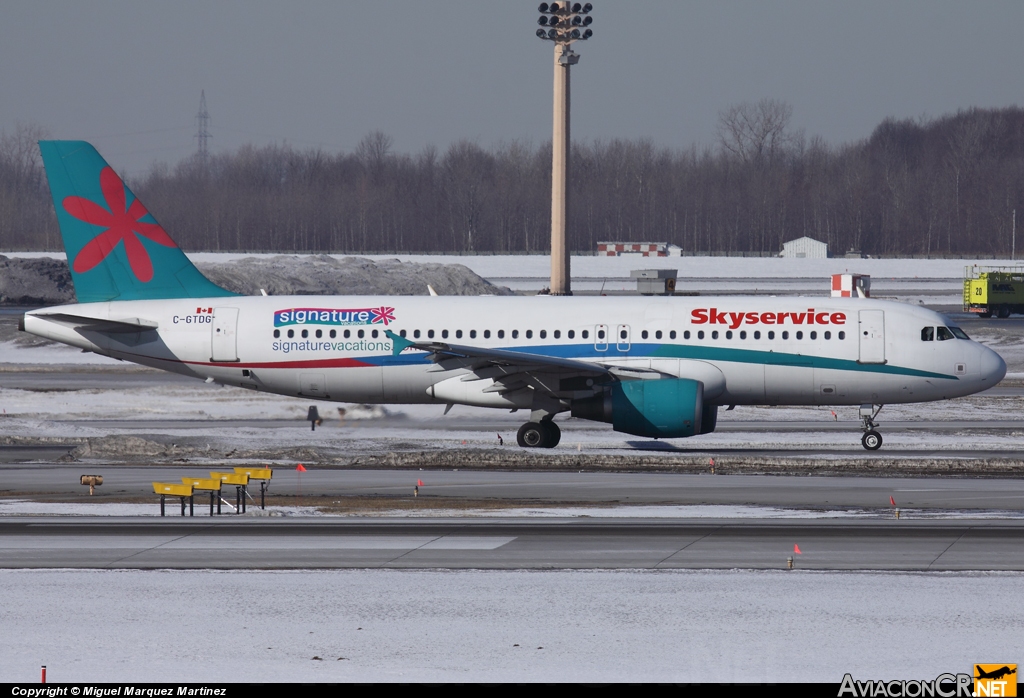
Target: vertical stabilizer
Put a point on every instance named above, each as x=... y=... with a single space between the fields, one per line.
x=116 y=249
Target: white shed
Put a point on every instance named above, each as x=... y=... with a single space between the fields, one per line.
x=805 y=247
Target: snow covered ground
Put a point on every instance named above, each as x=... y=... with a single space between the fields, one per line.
x=519 y=626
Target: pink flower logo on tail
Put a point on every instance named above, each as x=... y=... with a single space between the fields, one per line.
x=123 y=224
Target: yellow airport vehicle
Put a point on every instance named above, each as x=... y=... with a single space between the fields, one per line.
x=992 y=291
x=173 y=489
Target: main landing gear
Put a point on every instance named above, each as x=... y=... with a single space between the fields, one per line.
x=542 y=434
x=871 y=440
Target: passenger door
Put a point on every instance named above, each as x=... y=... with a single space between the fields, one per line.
x=224 y=335
x=872 y=336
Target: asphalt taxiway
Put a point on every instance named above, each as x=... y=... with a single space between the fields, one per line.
x=496 y=544
x=511 y=488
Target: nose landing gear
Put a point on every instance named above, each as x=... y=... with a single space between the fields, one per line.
x=542 y=434
x=871 y=440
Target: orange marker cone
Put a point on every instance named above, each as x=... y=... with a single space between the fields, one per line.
x=892 y=501
x=796 y=549
x=419 y=483
x=300 y=468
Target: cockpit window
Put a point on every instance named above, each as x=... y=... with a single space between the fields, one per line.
x=944 y=334
x=927 y=334
x=958 y=333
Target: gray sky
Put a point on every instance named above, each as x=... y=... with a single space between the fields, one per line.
x=127 y=75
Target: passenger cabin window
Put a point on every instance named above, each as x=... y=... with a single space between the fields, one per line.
x=334 y=333
x=515 y=334
x=771 y=334
x=585 y=334
x=728 y=334
x=487 y=334
x=348 y=333
x=529 y=334
x=643 y=334
x=757 y=334
x=430 y=334
x=558 y=334
x=842 y=335
x=444 y=334
x=501 y=334
x=600 y=334
x=472 y=334
x=828 y=335
x=361 y=333
x=743 y=334
x=928 y=334
x=401 y=333
x=415 y=334
x=943 y=334
x=785 y=334
x=700 y=334
x=319 y=334
x=571 y=334
x=277 y=333
x=458 y=334
x=657 y=335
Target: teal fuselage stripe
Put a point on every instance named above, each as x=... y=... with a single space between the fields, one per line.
x=696 y=353
x=751 y=356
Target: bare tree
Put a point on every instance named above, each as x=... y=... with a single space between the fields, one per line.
x=756 y=132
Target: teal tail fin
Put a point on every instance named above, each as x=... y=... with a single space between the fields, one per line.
x=116 y=249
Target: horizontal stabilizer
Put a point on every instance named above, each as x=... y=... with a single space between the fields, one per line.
x=124 y=325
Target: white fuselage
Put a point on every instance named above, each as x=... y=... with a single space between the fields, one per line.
x=746 y=350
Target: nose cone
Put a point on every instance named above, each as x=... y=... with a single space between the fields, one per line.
x=991 y=367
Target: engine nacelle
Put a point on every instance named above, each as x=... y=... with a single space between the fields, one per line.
x=666 y=408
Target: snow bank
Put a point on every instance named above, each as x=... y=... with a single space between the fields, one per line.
x=519 y=626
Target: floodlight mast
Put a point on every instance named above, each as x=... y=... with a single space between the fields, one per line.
x=563 y=24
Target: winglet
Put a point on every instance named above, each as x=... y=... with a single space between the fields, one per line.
x=400 y=343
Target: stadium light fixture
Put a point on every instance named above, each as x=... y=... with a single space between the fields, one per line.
x=561 y=23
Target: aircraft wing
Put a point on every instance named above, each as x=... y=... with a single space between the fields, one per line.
x=501 y=362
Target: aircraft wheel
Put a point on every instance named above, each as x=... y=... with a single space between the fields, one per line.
x=871 y=440
x=552 y=434
x=532 y=435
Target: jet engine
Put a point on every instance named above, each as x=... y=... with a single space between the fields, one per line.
x=664 y=408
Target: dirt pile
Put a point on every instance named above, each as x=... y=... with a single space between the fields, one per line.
x=37 y=281
x=47 y=281
x=358 y=276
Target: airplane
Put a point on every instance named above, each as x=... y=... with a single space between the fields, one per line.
x=995 y=673
x=656 y=367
